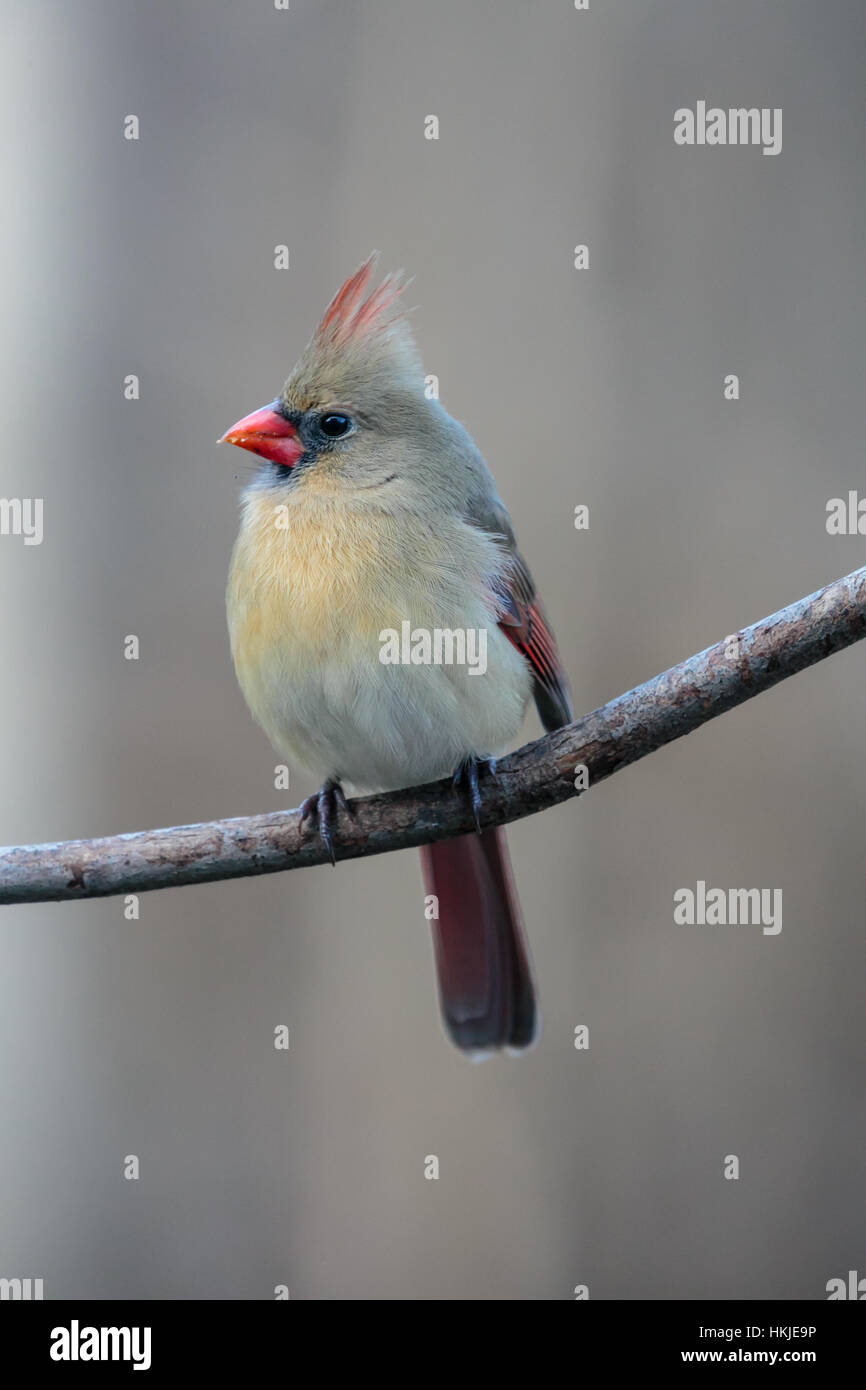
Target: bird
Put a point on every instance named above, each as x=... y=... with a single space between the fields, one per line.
x=373 y=512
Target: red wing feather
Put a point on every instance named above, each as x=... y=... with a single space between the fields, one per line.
x=524 y=622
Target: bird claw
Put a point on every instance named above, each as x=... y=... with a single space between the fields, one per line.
x=466 y=775
x=323 y=807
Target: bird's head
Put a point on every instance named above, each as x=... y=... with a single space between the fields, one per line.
x=355 y=401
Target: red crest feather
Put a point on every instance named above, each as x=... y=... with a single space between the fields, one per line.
x=353 y=313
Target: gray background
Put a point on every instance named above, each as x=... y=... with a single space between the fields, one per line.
x=602 y=387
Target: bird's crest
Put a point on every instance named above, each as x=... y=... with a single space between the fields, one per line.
x=363 y=342
x=355 y=314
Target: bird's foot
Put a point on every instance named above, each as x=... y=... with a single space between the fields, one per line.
x=467 y=775
x=323 y=807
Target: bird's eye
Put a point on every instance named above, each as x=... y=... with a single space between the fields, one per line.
x=334 y=424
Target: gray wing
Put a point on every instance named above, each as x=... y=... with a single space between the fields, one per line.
x=523 y=619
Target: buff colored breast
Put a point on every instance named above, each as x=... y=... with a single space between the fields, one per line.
x=303 y=575
x=310 y=589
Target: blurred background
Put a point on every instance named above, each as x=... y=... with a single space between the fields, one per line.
x=603 y=387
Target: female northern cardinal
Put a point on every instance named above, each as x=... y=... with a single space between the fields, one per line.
x=374 y=508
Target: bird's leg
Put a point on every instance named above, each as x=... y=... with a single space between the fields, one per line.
x=322 y=807
x=466 y=775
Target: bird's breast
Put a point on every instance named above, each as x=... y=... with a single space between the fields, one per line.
x=312 y=586
x=304 y=577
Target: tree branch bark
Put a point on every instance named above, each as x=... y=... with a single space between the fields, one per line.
x=537 y=776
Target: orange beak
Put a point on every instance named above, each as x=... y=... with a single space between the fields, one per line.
x=268 y=433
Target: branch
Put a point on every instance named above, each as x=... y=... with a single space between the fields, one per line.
x=537 y=776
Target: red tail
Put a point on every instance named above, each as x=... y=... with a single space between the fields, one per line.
x=485 y=976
